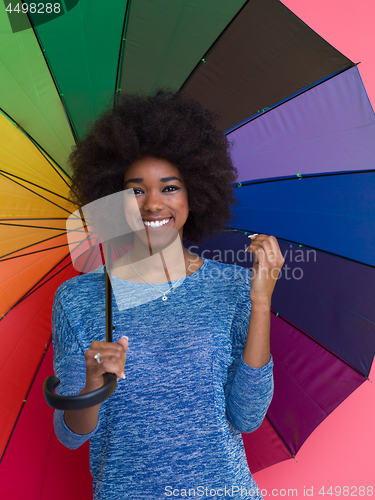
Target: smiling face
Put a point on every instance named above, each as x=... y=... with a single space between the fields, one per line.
x=161 y=196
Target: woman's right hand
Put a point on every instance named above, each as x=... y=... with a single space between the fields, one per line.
x=113 y=357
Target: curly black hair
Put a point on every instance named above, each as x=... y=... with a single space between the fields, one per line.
x=165 y=125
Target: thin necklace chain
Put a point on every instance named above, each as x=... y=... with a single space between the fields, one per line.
x=161 y=291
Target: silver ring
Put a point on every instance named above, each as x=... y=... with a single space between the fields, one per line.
x=98 y=357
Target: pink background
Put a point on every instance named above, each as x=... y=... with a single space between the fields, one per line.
x=340 y=452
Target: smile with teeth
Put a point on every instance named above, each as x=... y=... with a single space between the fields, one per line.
x=157 y=223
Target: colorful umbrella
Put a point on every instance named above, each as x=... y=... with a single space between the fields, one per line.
x=285 y=95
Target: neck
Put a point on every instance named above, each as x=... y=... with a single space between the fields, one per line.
x=159 y=264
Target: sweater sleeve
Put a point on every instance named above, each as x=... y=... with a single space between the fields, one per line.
x=70 y=368
x=248 y=390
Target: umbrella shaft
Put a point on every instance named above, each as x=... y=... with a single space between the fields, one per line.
x=108 y=295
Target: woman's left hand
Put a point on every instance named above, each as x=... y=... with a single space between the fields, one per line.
x=268 y=261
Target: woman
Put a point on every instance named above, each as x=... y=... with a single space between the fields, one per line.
x=196 y=364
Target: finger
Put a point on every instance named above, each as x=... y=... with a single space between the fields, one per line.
x=124 y=342
x=113 y=353
x=253 y=249
x=117 y=351
x=256 y=239
x=262 y=252
x=276 y=248
x=112 y=365
x=97 y=345
x=108 y=347
x=274 y=243
x=108 y=364
x=100 y=344
x=271 y=248
x=261 y=257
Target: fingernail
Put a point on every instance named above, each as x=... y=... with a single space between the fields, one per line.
x=253 y=235
x=122 y=375
x=124 y=337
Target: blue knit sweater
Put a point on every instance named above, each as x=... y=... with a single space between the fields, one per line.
x=172 y=428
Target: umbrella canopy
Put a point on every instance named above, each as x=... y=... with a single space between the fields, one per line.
x=303 y=135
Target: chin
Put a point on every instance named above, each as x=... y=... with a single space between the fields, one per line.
x=158 y=240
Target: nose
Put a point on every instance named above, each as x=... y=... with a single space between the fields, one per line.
x=153 y=201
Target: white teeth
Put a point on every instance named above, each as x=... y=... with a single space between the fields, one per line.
x=156 y=223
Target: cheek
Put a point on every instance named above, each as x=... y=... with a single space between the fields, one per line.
x=181 y=205
x=184 y=208
x=185 y=203
x=131 y=208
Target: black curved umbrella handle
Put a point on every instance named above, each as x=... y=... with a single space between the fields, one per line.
x=81 y=401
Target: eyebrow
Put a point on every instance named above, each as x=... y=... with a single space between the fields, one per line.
x=162 y=179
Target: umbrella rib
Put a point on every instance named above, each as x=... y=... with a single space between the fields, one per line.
x=202 y=60
x=319 y=343
x=24 y=401
x=91 y=252
x=33 y=289
x=31 y=253
x=245 y=231
x=37 y=194
x=75 y=136
x=121 y=53
x=35 y=218
x=33 y=184
x=312 y=430
x=32 y=227
x=89 y=233
x=289 y=98
x=39 y=148
x=299 y=177
x=29 y=292
x=2 y=257
x=280 y=436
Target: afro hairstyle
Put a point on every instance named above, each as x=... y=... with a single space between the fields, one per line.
x=165 y=125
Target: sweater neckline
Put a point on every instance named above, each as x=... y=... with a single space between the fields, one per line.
x=195 y=273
